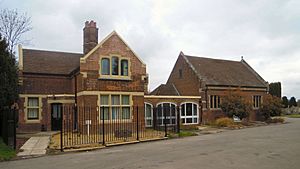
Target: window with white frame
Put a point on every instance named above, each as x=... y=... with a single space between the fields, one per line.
x=113 y=107
x=215 y=102
x=166 y=111
x=115 y=67
x=189 y=113
x=148 y=115
x=33 y=108
x=256 y=101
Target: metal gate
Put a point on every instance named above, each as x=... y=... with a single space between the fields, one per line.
x=88 y=126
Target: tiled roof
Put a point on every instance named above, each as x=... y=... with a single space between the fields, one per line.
x=166 y=90
x=225 y=72
x=50 y=62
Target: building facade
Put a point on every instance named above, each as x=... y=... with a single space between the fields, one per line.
x=110 y=77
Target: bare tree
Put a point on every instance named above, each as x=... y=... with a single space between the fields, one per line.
x=12 y=26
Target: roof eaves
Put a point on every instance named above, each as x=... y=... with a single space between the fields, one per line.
x=176 y=89
x=83 y=59
x=191 y=65
x=254 y=72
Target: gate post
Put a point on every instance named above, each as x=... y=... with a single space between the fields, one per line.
x=178 y=119
x=61 y=130
x=103 y=129
x=137 y=123
x=15 y=132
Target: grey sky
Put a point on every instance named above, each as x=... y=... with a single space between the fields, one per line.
x=265 y=32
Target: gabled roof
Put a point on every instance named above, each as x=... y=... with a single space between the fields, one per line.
x=50 y=62
x=165 y=90
x=224 y=72
x=103 y=41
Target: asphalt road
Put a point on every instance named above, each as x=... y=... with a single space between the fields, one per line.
x=267 y=147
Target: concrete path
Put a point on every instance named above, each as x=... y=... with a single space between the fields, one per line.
x=35 y=146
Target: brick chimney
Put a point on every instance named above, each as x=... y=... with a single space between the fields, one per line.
x=90 y=36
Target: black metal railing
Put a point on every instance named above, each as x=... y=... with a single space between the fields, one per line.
x=109 y=125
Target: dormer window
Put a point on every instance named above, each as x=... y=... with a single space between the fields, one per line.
x=114 y=67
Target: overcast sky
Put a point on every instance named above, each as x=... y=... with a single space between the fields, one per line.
x=265 y=32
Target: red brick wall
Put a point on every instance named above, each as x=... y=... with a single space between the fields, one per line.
x=113 y=45
x=189 y=84
x=212 y=114
x=24 y=126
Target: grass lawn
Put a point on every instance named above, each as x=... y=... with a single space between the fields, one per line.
x=186 y=133
x=293 y=115
x=6 y=152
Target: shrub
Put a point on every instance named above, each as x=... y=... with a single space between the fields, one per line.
x=235 y=104
x=272 y=106
x=224 y=122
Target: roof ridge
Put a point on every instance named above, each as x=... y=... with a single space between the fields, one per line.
x=212 y=58
x=42 y=50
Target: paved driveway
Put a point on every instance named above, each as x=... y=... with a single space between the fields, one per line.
x=267 y=147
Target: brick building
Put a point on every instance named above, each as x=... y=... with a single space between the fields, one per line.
x=111 y=77
x=106 y=73
x=211 y=79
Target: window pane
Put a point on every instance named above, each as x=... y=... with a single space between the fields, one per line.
x=166 y=109
x=32 y=113
x=124 y=67
x=148 y=111
x=115 y=112
x=106 y=113
x=195 y=120
x=215 y=102
x=104 y=99
x=115 y=65
x=115 y=99
x=218 y=102
x=173 y=110
x=189 y=108
x=195 y=110
x=159 y=111
x=183 y=110
x=125 y=100
x=188 y=120
x=125 y=113
x=183 y=121
x=211 y=101
x=33 y=102
x=55 y=111
x=105 y=66
x=148 y=122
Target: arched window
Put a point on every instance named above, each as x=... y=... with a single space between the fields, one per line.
x=189 y=113
x=115 y=65
x=124 y=67
x=105 y=66
x=167 y=110
x=148 y=115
